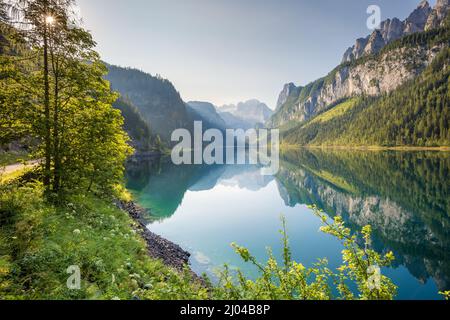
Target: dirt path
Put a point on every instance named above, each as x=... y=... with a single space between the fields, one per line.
x=18 y=166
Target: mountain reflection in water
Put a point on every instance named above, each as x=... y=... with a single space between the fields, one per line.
x=404 y=196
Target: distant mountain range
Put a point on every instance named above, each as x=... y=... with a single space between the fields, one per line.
x=389 y=90
x=249 y=114
x=206 y=112
x=160 y=106
x=244 y=115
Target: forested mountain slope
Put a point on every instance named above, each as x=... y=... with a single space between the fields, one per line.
x=398 y=96
x=137 y=128
x=415 y=114
x=156 y=99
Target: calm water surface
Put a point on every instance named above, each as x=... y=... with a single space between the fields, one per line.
x=405 y=196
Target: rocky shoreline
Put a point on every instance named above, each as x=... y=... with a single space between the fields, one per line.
x=158 y=248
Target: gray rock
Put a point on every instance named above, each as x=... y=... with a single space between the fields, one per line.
x=438 y=14
x=375 y=43
x=417 y=19
x=374 y=76
x=287 y=91
x=158 y=247
x=391 y=30
x=423 y=18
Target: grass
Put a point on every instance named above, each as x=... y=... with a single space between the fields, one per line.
x=6 y=178
x=335 y=112
x=39 y=242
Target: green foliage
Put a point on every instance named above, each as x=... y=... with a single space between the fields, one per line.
x=415 y=114
x=336 y=111
x=293 y=281
x=446 y=295
x=138 y=129
x=39 y=242
x=428 y=39
x=15 y=96
x=53 y=91
x=360 y=263
x=93 y=154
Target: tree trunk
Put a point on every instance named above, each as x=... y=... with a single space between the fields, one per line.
x=48 y=146
x=57 y=157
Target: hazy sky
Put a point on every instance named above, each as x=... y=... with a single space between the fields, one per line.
x=226 y=51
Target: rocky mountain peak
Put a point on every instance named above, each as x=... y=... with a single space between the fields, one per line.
x=418 y=18
x=391 y=29
x=382 y=71
x=287 y=91
x=423 y=4
x=438 y=14
x=375 y=43
x=423 y=18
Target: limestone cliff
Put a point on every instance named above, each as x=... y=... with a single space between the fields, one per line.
x=378 y=64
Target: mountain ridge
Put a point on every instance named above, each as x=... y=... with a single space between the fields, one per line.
x=206 y=112
x=396 y=63
x=156 y=98
x=423 y=18
x=416 y=114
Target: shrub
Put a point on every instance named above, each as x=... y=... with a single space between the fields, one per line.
x=293 y=281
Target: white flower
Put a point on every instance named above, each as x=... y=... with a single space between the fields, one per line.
x=76 y=231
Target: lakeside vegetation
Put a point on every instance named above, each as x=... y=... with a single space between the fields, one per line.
x=39 y=241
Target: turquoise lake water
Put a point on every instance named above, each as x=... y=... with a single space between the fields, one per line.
x=403 y=195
